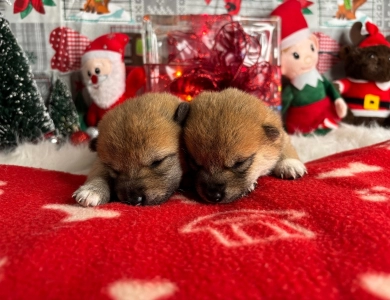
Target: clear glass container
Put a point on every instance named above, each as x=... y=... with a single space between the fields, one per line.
x=185 y=54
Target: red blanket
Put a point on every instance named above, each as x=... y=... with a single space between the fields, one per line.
x=325 y=236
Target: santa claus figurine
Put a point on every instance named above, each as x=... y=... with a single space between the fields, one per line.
x=310 y=102
x=104 y=75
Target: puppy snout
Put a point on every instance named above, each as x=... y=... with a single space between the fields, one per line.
x=214 y=192
x=133 y=197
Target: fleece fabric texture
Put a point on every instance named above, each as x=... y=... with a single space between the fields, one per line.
x=324 y=236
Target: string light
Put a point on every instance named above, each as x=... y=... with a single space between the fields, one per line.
x=233 y=60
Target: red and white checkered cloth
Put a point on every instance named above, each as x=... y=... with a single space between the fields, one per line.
x=329 y=50
x=69 y=46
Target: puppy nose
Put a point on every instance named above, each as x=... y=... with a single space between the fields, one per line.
x=215 y=192
x=135 y=198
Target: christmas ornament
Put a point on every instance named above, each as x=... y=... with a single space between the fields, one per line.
x=79 y=138
x=92 y=132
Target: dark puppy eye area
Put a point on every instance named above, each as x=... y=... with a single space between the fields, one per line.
x=238 y=164
x=159 y=161
x=242 y=164
x=371 y=55
x=296 y=55
x=156 y=163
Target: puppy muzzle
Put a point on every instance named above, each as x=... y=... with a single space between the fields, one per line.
x=213 y=192
x=135 y=197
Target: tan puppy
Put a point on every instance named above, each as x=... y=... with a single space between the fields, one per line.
x=232 y=139
x=139 y=152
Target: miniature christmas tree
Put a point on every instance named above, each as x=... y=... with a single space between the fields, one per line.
x=23 y=115
x=63 y=110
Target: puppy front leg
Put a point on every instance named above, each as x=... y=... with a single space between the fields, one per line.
x=289 y=165
x=96 y=190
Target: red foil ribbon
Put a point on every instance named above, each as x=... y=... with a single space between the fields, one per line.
x=233 y=60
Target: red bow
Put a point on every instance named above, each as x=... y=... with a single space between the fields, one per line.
x=21 y=5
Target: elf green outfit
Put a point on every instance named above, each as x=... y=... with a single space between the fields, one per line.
x=308 y=106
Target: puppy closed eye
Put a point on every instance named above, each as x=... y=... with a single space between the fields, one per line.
x=242 y=164
x=156 y=163
x=159 y=161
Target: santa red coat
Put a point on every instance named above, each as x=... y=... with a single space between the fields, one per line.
x=96 y=113
x=134 y=81
x=366 y=98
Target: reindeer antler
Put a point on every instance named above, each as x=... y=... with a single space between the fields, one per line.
x=356 y=33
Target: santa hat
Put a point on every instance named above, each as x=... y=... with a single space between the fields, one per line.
x=374 y=37
x=111 y=46
x=294 y=25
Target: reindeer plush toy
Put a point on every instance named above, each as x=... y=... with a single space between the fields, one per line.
x=367 y=86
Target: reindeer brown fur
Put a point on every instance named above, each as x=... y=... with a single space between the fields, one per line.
x=363 y=65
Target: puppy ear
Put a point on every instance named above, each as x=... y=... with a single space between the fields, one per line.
x=93 y=144
x=182 y=112
x=271 y=132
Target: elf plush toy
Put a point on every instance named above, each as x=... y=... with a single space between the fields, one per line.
x=104 y=74
x=310 y=102
x=367 y=87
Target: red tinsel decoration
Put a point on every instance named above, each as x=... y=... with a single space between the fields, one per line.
x=233 y=60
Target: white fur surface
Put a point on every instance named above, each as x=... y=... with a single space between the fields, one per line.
x=46 y=155
x=346 y=137
x=78 y=159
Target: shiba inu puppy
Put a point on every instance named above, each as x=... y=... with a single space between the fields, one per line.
x=233 y=138
x=139 y=152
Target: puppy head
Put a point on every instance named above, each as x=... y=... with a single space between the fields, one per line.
x=139 y=143
x=232 y=138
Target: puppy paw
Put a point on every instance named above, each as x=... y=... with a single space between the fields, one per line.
x=88 y=195
x=252 y=187
x=290 y=168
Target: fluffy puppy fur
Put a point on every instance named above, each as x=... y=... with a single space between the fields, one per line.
x=139 y=152
x=233 y=138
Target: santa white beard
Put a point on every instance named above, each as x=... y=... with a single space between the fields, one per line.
x=109 y=88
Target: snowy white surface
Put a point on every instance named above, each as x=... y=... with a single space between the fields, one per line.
x=78 y=159
x=360 y=17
